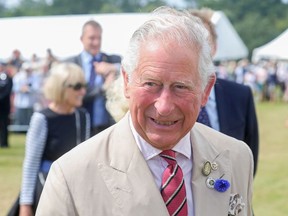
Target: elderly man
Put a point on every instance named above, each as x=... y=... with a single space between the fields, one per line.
x=99 y=69
x=157 y=160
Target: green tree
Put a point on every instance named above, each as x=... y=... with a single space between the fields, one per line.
x=256 y=21
x=63 y=7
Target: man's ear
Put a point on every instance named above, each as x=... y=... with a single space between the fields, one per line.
x=126 y=83
x=208 y=88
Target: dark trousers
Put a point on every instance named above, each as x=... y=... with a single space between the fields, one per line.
x=4 y=122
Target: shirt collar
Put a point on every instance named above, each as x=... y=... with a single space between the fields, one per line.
x=148 y=151
x=87 y=57
x=212 y=94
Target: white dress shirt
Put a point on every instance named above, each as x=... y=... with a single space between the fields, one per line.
x=157 y=164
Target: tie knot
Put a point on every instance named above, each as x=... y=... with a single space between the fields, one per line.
x=93 y=60
x=96 y=58
x=169 y=156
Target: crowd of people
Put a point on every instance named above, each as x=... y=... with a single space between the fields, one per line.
x=267 y=78
x=136 y=116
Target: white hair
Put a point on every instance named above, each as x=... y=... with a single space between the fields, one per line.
x=168 y=24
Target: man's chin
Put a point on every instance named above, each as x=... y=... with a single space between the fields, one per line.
x=162 y=141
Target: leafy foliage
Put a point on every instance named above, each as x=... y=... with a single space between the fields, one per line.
x=256 y=21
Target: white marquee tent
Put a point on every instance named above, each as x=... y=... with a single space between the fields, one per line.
x=229 y=44
x=276 y=49
x=62 y=34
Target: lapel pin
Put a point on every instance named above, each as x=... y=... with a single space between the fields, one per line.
x=206 y=170
x=220 y=185
x=214 y=166
x=210 y=182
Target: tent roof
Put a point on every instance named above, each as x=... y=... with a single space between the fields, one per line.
x=275 y=49
x=229 y=44
x=62 y=34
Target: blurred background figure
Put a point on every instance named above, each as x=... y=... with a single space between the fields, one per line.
x=54 y=130
x=100 y=70
x=117 y=104
x=26 y=85
x=50 y=59
x=16 y=59
x=5 y=93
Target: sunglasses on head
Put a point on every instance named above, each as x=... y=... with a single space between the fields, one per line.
x=77 y=86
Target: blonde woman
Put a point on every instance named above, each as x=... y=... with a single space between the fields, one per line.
x=54 y=130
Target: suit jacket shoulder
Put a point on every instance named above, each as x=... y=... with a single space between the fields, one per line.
x=75 y=59
x=111 y=58
x=237 y=114
x=112 y=179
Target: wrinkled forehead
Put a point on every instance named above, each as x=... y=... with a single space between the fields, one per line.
x=159 y=51
x=168 y=57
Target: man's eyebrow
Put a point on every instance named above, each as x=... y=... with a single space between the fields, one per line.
x=187 y=82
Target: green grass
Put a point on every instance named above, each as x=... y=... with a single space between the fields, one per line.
x=270 y=186
x=10 y=171
x=271 y=181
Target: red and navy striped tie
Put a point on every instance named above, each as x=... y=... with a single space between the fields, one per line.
x=173 y=187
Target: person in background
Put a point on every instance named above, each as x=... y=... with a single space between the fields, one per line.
x=54 y=130
x=26 y=85
x=50 y=59
x=6 y=85
x=157 y=160
x=230 y=106
x=16 y=59
x=117 y=104
x=99 y=69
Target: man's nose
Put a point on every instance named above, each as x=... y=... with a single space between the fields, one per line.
x=164 y=103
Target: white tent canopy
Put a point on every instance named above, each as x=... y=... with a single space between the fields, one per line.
x=276 y=49
x=229 y=44
x=62 y=34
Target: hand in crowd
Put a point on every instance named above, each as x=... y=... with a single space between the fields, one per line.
x=25 y=88
x=105 y=68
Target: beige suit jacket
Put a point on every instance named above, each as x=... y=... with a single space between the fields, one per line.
x=107 y=175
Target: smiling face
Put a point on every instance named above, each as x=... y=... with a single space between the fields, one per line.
x=165 y=93
x=91 y=39
x=73 y=97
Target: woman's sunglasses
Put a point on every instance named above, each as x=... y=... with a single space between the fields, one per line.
x=77 y=86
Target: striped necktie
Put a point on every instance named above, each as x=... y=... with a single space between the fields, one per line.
x=92 y=74
x=173 y=187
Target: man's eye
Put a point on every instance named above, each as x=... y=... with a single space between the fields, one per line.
x=181 y=87
x=151 y=84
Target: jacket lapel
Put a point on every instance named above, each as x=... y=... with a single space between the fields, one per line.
x=208 y=201
x=128 y=177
